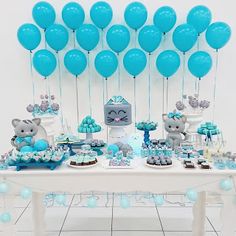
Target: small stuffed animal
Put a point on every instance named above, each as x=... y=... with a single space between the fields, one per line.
x=174 y=126
x=25 y=130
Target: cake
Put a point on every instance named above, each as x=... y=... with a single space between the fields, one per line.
x=117 y=112
x=84 y=157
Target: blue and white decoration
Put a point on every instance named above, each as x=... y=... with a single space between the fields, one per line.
x=87 y=35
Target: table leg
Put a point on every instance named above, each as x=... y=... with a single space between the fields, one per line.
x=9 y=228
x=199 y=215
x=38 y=209
x=228 y=215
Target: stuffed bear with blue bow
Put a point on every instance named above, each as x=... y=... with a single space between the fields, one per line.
x=174 y=125
x=25 y=130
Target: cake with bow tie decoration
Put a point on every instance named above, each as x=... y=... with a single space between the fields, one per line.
x=117 y=112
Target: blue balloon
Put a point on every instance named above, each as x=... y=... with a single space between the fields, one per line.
x=101 y=14
x=106 y=63
x=87 y=36
x=44 y=62
x=135 y=61
x=118 y=38
x=92 y=202
x=26 y=149
x=5 y=217
x=29 y=36
x=218 y=34
x=135 y=15
x=168 y=63
x=44 y=14
x=57 y=37
x=124 y=202
x=60 y=199
x=41 y=145
x=200 y=63
x=184 y=37
x=164 y=19
x=159 y=200
x=26 y=193
x=226 y=184
x=192 y=195
x=4 y=187
x=149 y=38
x=73 y=15
x=75 y=62
x=200 y=18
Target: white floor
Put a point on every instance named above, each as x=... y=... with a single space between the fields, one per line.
x=108 y=219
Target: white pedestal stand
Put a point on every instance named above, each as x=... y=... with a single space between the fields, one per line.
x=193 y=120
x=47 y=125
x=117 y=134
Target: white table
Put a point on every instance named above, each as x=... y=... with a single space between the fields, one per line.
x=142 y=178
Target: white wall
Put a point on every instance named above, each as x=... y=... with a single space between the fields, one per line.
x=15 y=89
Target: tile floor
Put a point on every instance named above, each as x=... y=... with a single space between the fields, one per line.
x=108 y=219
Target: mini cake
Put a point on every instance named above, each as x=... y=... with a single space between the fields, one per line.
x=205 y=165
x=84 y=157
x=188 y=164
x=159 y=161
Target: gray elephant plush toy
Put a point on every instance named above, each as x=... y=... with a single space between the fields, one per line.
x=174 y=126
x=25 y=130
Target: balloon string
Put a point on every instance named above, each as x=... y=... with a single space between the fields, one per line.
x=164 y=41
x=198 y=48
x=198 y=42
x=73 y=35
x=106 y=97
x=119 y=82
x=102 y=42
x=183 y=77
x=89 y=86
x=32 y=77
x=215 y=84
x=163 y=103
x=149 y=86
x=45 y=41
x=135 y=38
x=60 y=90
x=135 y=105
x=198 y=86
x=77 y=100
x=103 y=91
x=167 y=95
x=106 y=85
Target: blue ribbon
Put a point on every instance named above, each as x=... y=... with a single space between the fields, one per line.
x=24 y=139
x=117 y=100
x=173 y=115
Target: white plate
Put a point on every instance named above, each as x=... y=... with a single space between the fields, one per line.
x=159 y=167
x=80 y=167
